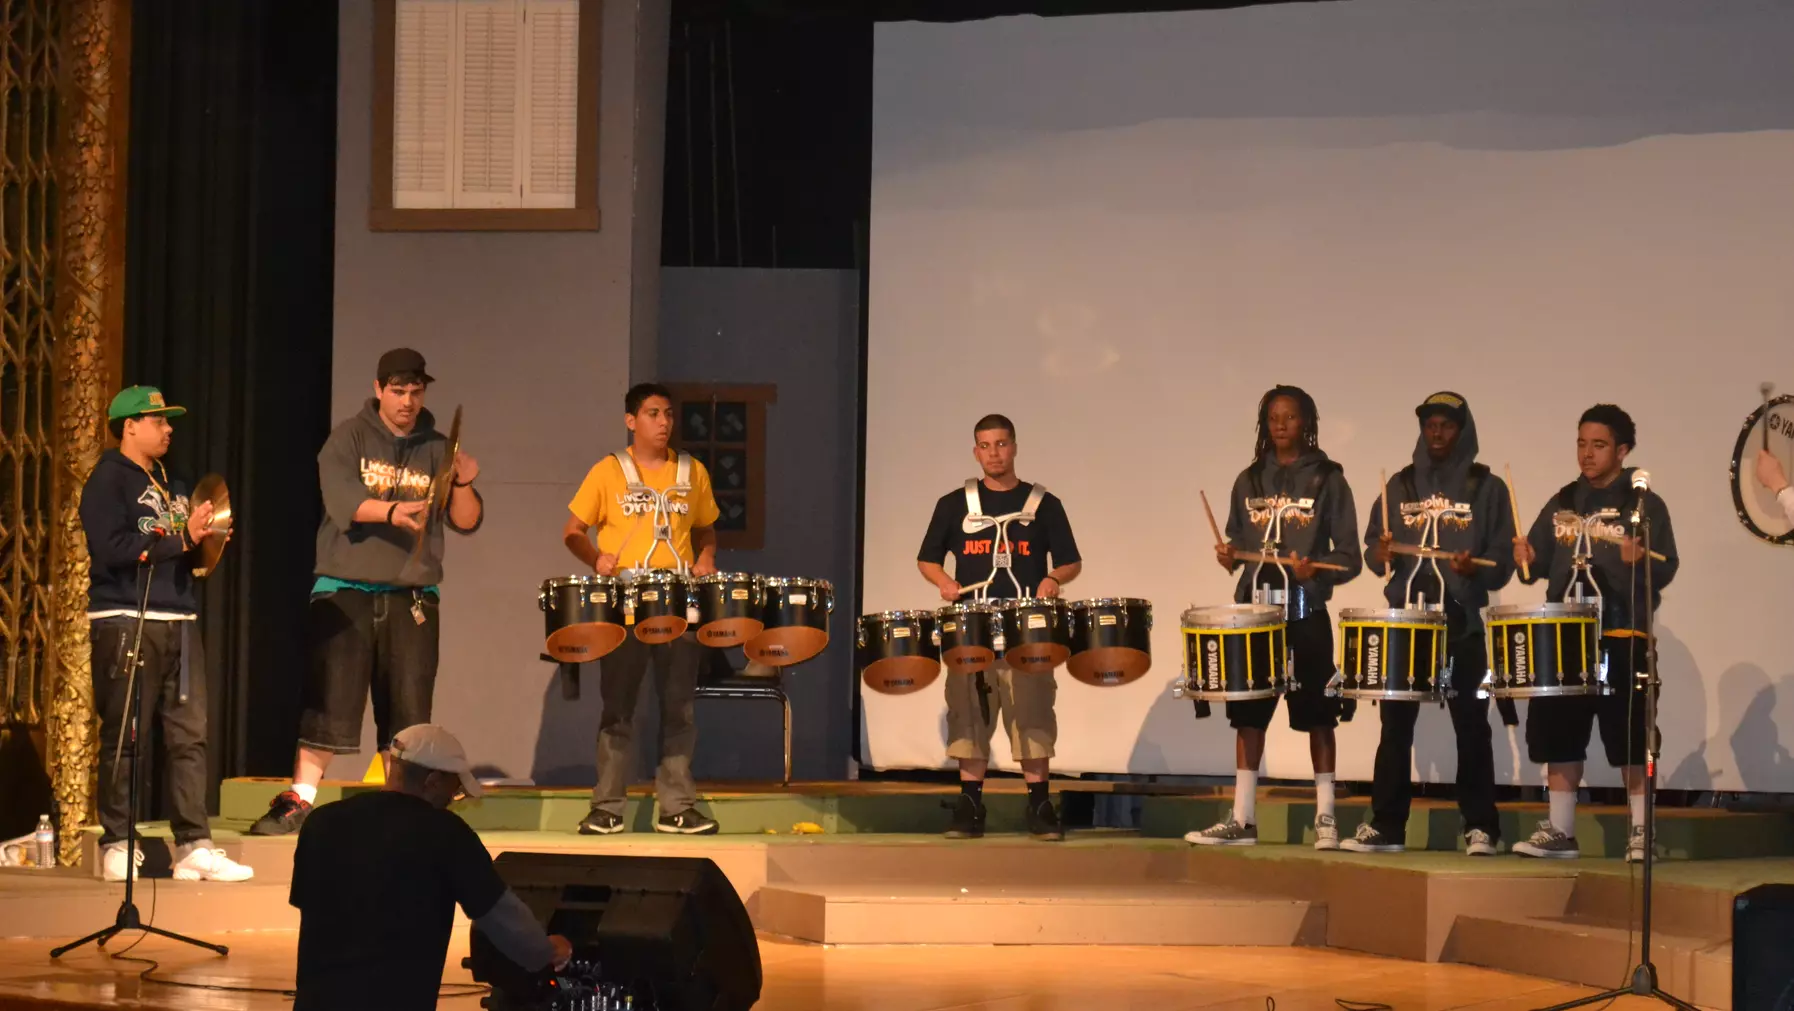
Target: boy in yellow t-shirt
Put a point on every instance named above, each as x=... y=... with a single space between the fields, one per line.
x=626 y=541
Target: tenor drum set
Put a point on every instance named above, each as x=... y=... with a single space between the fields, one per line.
x=776 y=620
x=1103 y=642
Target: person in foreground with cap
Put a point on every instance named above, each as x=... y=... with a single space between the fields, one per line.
x=1444 y=474
x=373 y=617
x=377 y=876
x=142 y=525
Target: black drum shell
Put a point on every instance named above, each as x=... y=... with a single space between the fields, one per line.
x=1376 y=660
x=1530 y=658
x=1235 y=664
x=570 y=603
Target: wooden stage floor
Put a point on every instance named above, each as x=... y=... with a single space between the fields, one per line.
x=808 y=977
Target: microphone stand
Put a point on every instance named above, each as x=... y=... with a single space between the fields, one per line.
x=1644 y=974
x=128 y=917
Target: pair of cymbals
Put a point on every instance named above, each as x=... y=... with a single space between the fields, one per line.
x=212 y=488
x=440 y=487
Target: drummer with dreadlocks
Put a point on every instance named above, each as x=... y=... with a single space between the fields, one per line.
x=1294 y=501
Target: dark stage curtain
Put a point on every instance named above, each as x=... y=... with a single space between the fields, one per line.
x=228 y=283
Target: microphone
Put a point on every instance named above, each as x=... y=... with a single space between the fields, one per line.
x=1641 y=483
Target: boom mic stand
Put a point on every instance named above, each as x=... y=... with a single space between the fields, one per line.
x=1644 y=974
x=128 y=917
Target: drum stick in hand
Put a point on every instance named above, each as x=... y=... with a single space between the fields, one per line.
x=1417 y=550
x=1383 y=500
x=1613 y=539
x=1261 y=556
x=1513 y=502
x=1213 y=528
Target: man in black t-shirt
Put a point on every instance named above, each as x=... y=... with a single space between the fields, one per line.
x=1043 y=557
x=396 y=862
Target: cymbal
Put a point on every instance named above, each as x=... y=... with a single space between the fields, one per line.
x=211 y=488
x=440 y=487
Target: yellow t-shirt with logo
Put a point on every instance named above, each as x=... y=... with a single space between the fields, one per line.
x=625 y=522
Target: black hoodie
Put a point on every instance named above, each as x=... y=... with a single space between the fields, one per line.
x=1490 y=533
x=1331 y=536
x=362 y=459
x=1621 y=584
x=128 y=519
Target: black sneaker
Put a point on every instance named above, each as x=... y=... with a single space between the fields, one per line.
x=598 y=822
x=286 y=812
x=968 y=818
x=1369 y=840
x=1043 y=822
x=687 y=822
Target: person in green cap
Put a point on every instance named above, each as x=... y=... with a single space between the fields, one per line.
x=142 y=531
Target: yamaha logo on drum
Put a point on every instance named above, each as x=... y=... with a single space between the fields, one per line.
x=1373 y=658
x=1212 y=665
x=1522 y=655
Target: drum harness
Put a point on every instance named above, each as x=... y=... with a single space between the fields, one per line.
x=1001 y=559
x=661 y=517
x=1582 y=552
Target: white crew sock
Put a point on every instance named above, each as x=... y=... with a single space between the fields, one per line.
x=1636 y=802
x=306 y=792
x=1323 y=794
x=1245 y=796
x=1563 y=811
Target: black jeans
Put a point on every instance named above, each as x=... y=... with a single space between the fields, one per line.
x=368 y=641
x=1392 y=790
x=620 y=675
x=183 y=722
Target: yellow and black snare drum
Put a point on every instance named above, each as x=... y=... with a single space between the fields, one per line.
x=1234 y=652
x=1541 y=650
x=1391 y=654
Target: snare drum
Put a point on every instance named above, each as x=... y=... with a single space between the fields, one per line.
x=1234 y=652
x=583 y=616
x=1543 y=650
x=968 y=634
x=1392 y=654
x=1036 y=634
x=658 y=601
x=729 y=605
x=795 y=614
x=1111 y=640
x=897 y=651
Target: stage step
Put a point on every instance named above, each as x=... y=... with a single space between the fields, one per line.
x=1601 y=954
x=1682 y=833
x=942 y=913
x=67 y=903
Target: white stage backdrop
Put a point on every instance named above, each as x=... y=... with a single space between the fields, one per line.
x=1121 y=230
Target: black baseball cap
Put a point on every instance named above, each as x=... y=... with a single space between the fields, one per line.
x=1447 y=403
x=399 y=361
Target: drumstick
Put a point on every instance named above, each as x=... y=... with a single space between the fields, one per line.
x=1260 y=556
x=1383 y=499
x=1766 y=389
x=1615 y=539
x=1213 y=528
x=1513 y=502
x=1417 y=550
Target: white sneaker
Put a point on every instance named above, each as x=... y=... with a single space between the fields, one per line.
x=112 y=861
x=201 y=861
x=1326 y=832
x=1478 y=844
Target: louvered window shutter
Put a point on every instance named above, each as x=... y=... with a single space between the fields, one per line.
x=423 y=104
x=487 y=111
x=550 y=101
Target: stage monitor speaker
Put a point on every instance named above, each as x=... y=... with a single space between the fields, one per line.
x=669 y=930
x=1762 y=955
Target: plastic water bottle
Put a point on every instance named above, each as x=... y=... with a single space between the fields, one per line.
x=45 y=838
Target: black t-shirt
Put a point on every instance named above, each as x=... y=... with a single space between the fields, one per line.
x=376 y=878
x=1049 y=536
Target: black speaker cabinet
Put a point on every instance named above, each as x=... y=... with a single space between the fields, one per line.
x=669 y=926
x=1762 y=949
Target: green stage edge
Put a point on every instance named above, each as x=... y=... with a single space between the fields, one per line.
x=1682 y=834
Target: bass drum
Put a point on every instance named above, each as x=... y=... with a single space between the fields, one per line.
x=1771 y=427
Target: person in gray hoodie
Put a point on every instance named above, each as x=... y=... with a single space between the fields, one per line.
x=1444 y=473
x=1288 y=468
x=374 y=622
